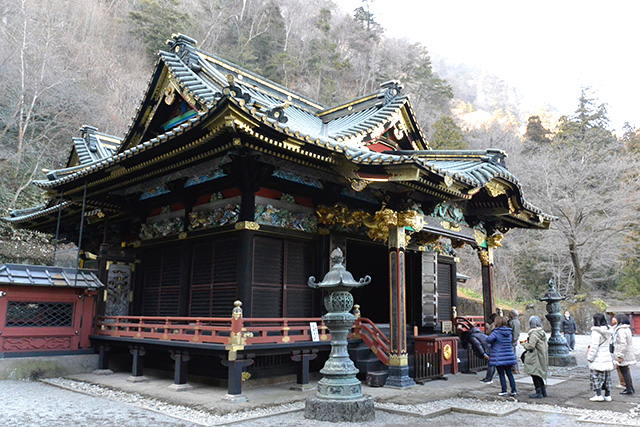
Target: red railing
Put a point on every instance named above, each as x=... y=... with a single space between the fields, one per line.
x=236 y=332
x=212 y=330
x=375 y=339
x=469 y=321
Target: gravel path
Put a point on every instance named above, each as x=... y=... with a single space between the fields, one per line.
x=35 y=404
x=63 y=402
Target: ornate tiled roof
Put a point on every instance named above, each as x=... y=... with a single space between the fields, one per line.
x=40 y=275
x=210 y=84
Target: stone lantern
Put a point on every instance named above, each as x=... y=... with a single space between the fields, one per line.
x=558 y=349
x=339 y=396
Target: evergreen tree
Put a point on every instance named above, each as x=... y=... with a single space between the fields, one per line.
x=155 y=20
x=588 y=124
x=536 y=132
x=447 y=135
x=631 y=138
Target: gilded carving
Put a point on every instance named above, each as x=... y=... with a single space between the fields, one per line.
x=447 y=352
x=386 y=218
x=495 y=189
x=484 y=257
x=398 y=360
x=247 y=225
x=358 y=184
x=169 y=95
x=450 y=226
x=480 y=237
x=340 y=215
x=495 y=241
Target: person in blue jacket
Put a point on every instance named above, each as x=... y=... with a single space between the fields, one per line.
x=502 y=355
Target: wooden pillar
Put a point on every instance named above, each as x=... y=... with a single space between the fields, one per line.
x=103 y=275
x=488 y=305
x=234 y=377
x=103 y=360
x=137 y=365
x=303 y=358
x=245 y=263
x=181 y=358
x=248 y=174
x=398 y=360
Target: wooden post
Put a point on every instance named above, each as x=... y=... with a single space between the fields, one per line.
x=181 y=358
x=303 y=357
x=137 y=365
x=103 y=360
x=398 y=360
x=487 y=283
x=234 y=378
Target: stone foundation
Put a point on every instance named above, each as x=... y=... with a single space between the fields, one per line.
x=334 y=410
x=568 y=360
x=34 y=368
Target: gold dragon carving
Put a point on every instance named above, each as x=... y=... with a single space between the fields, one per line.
x=378 y=224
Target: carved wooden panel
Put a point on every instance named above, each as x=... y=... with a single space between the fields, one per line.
x=36 y=343
x=118 y=288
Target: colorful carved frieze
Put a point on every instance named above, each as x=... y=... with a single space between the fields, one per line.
x=217 y=217
x=276 y=217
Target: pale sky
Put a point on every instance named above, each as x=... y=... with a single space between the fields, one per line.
x=547 y=49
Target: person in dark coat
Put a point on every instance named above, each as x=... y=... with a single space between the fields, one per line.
x=478 y=342
x=502 y=355
x=569 y=329
x=491 y=370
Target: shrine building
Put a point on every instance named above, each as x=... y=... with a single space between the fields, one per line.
x=228 y=191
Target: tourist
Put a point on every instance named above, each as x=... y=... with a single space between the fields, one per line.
x=488 y=328
x=536 y=358
x=599 y=358
x=514 y=324
x=569 y=329
x=622 y=385
x=502 y=355
x=623 y=354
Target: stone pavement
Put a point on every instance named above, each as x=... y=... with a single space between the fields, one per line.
x=461 y=399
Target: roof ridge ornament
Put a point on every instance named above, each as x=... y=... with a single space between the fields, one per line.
x=234 y=90
x=496 y=157
x=389 y=90
x=88 y=133
x=185 y=48
x=277 y=112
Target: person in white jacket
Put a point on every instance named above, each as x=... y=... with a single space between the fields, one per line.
x=599 y=358
x=624 y=355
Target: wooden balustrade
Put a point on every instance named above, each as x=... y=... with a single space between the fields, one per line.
x=478 y=321
x=211 y=330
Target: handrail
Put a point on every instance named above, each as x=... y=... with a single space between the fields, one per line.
x=374 y=338
x=470 y=321
x=236 y=332
x=212 y=330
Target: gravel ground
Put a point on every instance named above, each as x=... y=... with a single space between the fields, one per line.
x=64 y=402
x=35 y=404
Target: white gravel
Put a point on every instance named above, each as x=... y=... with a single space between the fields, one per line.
x=77 y=403
x=462 y=411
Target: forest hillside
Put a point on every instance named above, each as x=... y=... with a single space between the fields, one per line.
x=67 y=63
